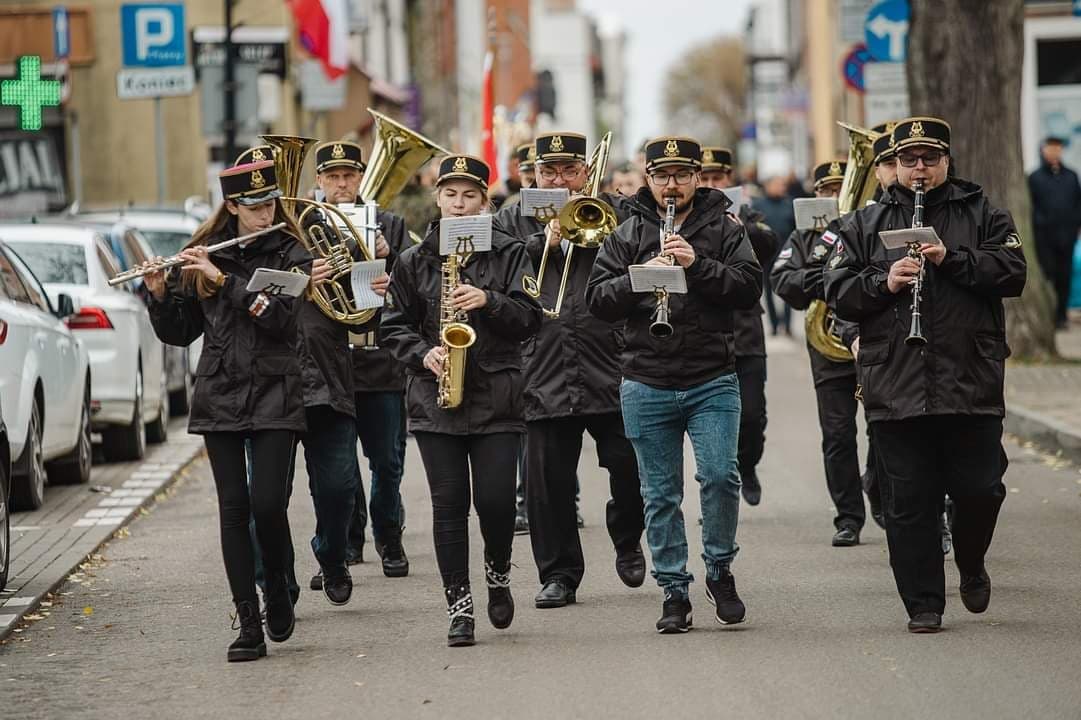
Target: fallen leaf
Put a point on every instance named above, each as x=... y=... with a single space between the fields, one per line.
x=51 y=655
x=88 y=610
x=360 y=656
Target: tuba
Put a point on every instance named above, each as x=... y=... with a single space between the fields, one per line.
x=584 y=222
x=857 y=188
x=397 y=155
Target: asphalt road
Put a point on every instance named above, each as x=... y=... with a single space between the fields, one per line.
x=144 y=631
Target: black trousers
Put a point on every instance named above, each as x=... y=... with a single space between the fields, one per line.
x=448 y=462
x=267 y=502
x=751 y=372
x=837 y=407
x=918 y=461
x=1055 y=255
x=552 y=451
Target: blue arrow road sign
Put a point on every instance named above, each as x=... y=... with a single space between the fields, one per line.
x=61 y=33
x=886 y=30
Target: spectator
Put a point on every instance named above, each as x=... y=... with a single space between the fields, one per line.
x=626 y=179
x=776 y=205
x=1056 y=220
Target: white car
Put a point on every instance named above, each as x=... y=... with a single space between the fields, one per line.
x=129 y=400
x=44 y=386
x=5 y=507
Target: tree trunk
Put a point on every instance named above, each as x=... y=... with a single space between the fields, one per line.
x=964 y=65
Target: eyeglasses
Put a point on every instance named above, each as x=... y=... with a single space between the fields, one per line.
x=567 y=173
x=930 y=159
x=682 y=177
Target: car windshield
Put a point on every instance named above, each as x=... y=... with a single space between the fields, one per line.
x=63 y=263
x=166 y=243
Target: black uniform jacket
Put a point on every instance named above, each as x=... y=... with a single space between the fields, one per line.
x=797 y=278
x=249 y=375
x=374 y=368
x=961 y=369
x=571 y=367
x=724 y=277
x=493 y=377
x=750 y=337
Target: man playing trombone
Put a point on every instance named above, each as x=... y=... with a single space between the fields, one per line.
x=683 y=382
x=572 y=386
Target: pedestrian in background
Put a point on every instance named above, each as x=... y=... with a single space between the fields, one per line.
x=776 y=206
x=1056 y=220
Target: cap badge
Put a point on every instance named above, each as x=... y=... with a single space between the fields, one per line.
x=557 y=143
x=257 y=180
x=707 y=156
x=531 y=154
x=337 y=152
x=460 y=165
x=835 y=168
x=257 y=155
x=671 y=149
x=916 y=130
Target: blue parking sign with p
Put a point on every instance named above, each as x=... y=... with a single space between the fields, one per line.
x=153 y=35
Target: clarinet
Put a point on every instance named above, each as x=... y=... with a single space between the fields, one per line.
x=661 y=328
x=915 y=331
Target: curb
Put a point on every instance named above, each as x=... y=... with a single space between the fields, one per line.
x=141 y=482
x=1046 y=432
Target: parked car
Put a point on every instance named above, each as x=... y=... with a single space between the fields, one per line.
x=5 y=495
x=167 y=231
x=45 y=385
x=129 y=402
x=131 y=247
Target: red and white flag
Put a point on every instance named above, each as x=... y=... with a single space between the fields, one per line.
x=487 y=137
x=323 y=27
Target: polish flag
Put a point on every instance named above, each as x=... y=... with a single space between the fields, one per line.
x=323 y=26
x=487 y=136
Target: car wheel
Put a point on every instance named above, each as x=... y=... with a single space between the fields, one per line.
x=158 y=430
x=5 y=527
x=180 y=400
x=129 y=441
x=74 y=468
x=28 y=488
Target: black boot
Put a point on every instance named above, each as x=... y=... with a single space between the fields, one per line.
x=460 y=612
x=249 y=645
x=395 y=562
x=500 y=602
x=279 y=609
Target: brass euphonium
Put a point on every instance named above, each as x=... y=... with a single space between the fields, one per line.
x=857 y=188
x=585 y=221
x=396 y=157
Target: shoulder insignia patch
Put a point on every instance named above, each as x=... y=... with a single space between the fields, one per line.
x=1012 y=242
x=819 y=252
x=835 y=261
x=785 y=254
x=829 y=237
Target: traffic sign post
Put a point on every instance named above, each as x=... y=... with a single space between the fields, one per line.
x=155 y=55
x=886 y=30
x=61 y=33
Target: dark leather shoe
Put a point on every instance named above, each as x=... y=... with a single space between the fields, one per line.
x=925 y=622
x=317 y=581
x=631 y=567
x=279 y=609
x=976 y=592
x=846 y=537
x=751 y=488
x=395 y=562
x=554 y=594
x=338 y=589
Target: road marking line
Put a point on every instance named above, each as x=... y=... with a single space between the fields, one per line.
x=25 y=528
x=96 y=513
x=109 y=502
x=6 y=620
x=18 y=602
x=85 y=522
x=111 y=521
x=118 y=512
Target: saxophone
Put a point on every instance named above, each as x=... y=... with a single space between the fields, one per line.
x=455 y=335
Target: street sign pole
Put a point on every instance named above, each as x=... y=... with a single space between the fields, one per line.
x=159 y=149
x=229 y=88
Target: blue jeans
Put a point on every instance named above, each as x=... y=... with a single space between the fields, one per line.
x=330 y=454
x=380 y=425
x=656 y=420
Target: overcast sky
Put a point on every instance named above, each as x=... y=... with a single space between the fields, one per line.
x=658 y=31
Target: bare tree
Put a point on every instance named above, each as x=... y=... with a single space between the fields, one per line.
x=964 y=65
x=705 y=89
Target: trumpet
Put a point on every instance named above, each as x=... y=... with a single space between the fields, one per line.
x=175 y=260
x=661 y=328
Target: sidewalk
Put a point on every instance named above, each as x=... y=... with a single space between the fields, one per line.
x=1043 y=402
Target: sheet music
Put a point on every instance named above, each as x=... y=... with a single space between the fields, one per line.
x=543 y=203
x=895 y=239
x=357 y=215
x=463 y=235
x=737 y=197
x=360 y=278
x=815 y=213
x=278 y=282
x=648 y=278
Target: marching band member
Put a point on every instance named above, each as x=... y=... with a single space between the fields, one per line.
x=572 y=386
x=477 y=442
x=935 y=407
x=797 y=278
x=717 y=173
x=684 y=383
x=248 y=384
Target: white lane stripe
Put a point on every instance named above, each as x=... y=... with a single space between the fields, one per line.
x=18 y=602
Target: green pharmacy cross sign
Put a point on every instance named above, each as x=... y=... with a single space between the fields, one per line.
x=29 y=92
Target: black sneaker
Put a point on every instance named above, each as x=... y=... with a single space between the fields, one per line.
x=722 y=595
x=751 y=488
x=846 y=537
x=395 y=562
x=676 y=616
x=279 y=609
x=338 y=589
x=976 y=591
